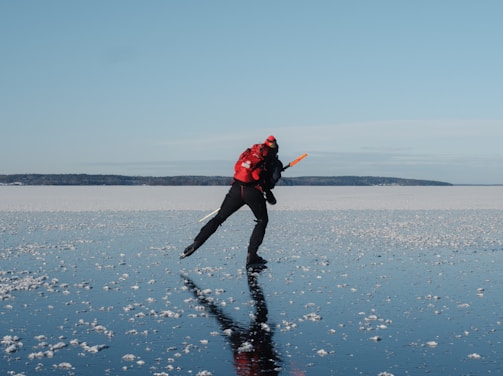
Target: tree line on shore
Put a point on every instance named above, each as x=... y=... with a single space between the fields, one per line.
x=86 y=179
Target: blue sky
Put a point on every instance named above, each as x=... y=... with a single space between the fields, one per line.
x=409 y=89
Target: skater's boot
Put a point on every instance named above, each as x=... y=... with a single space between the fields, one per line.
x=190 y=250
x=253 y=259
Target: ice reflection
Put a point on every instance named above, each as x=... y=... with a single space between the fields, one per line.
x=252 y=346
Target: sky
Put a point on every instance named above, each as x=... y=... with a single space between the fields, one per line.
x=396 y=88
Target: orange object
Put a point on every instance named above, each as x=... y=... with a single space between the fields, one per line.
x=294 y=162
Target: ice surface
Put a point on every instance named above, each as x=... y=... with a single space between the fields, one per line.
x=367 y=281
x=148 y=198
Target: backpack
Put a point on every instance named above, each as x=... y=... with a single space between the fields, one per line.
x=248 y=166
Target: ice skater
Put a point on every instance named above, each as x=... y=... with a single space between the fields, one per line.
x=256 y=172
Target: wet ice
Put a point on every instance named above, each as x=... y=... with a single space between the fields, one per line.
x=348 y=291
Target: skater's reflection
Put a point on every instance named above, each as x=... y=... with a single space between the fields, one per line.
x=252 y=347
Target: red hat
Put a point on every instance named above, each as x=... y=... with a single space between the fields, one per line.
x=271 y=142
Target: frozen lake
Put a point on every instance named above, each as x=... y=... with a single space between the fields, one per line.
x=360 y=281
x=147 y=198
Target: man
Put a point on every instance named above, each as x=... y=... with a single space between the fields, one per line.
x=255 y=174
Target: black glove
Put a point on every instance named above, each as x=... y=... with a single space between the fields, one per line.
x=270 y=197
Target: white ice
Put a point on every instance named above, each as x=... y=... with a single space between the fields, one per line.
x=148 y=198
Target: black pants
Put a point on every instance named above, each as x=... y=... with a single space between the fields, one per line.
x=238 y=196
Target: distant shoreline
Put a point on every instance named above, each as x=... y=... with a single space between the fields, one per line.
x=196 y=180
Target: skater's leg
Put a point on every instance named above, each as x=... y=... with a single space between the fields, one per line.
x=255 y=200
x=231 y=203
